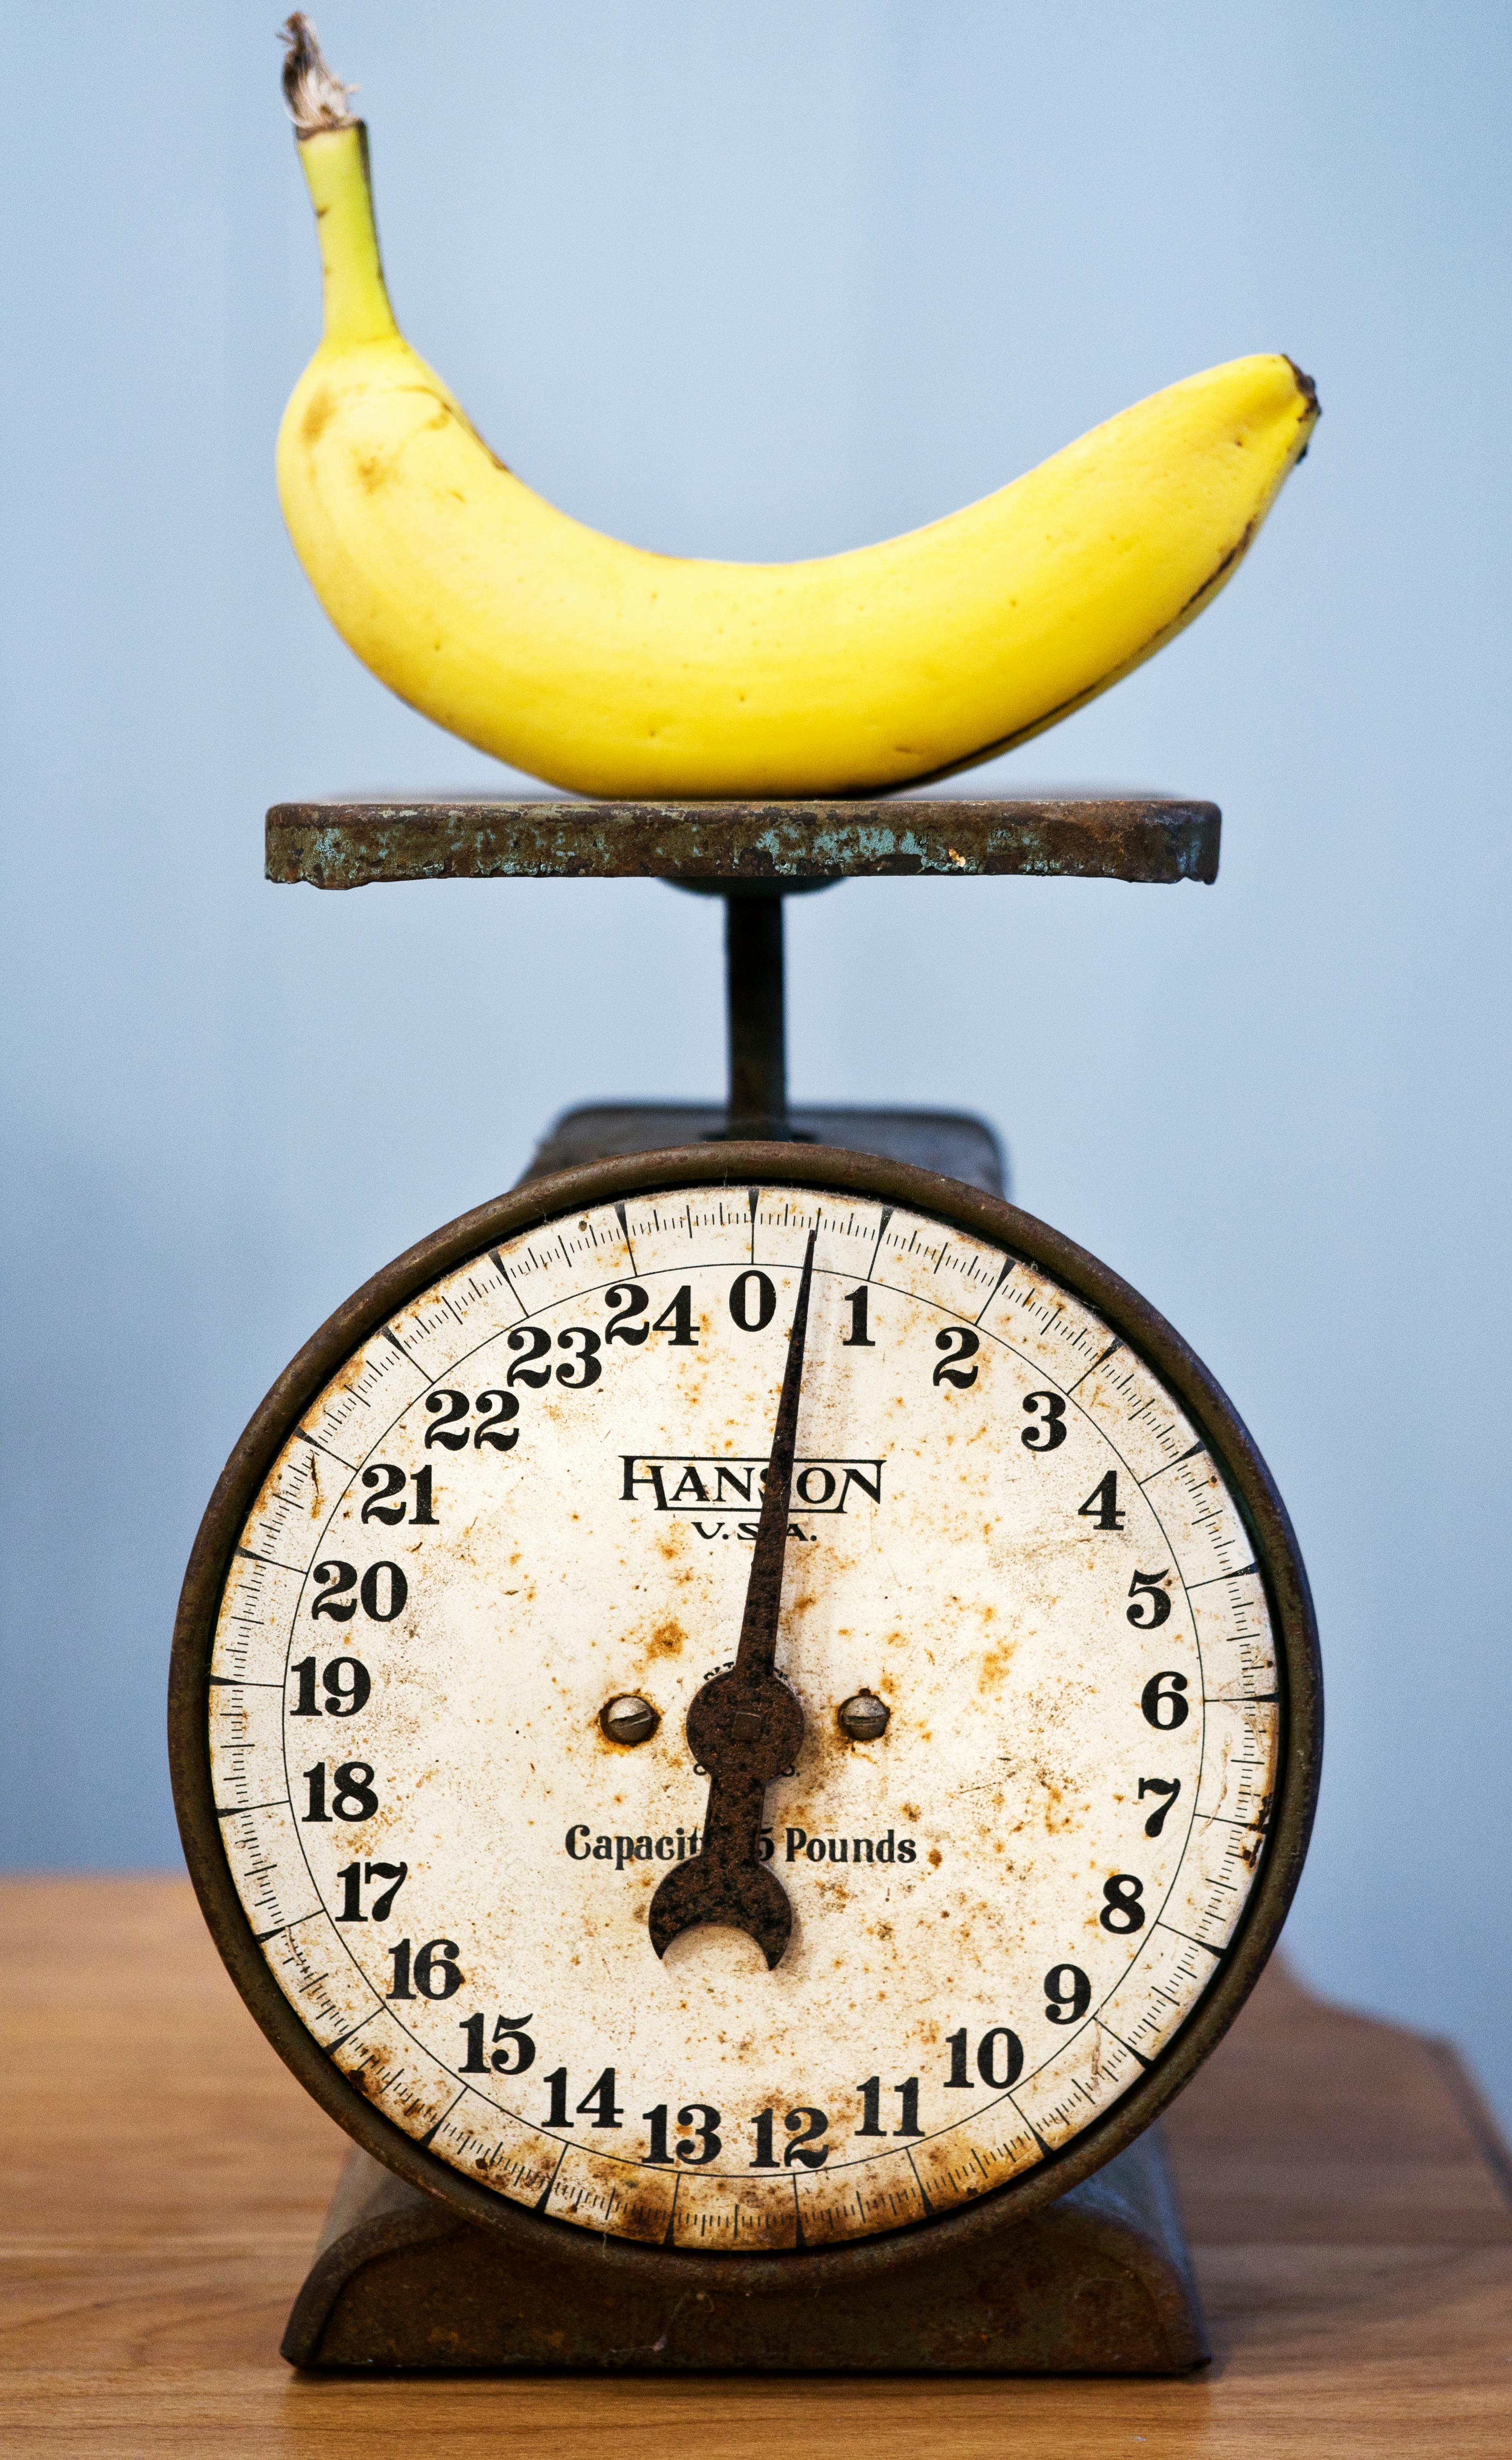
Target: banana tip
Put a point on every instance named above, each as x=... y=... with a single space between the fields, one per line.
x=1305 y=387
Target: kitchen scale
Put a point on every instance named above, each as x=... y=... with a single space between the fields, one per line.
x=745 y=1714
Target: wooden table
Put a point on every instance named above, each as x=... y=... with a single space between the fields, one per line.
x=166 y=2180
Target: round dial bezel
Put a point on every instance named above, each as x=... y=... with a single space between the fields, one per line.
x=954 y=1205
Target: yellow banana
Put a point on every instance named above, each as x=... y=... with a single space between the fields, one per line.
x=623 y=673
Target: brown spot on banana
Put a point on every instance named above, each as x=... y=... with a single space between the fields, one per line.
x=317 y=417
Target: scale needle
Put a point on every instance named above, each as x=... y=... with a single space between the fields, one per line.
x=745 y=1726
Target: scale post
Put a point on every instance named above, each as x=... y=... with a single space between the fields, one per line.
x=755 y=1006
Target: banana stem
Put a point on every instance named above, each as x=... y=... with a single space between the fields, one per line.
x=315 y=97
x=333 y=155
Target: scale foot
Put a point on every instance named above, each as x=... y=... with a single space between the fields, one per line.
x=1099 y=2283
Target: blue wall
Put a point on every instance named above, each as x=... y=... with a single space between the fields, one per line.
x=767 y=282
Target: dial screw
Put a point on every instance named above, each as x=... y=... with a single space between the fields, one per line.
x=628 y=1719
x=863 y=1717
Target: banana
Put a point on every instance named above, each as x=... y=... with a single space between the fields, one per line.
x=621 y=673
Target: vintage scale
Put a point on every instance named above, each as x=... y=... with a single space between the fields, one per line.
x=745 y=1714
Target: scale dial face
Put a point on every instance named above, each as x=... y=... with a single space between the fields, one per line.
x=1024 y=1615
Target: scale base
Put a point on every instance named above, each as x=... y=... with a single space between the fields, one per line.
x=1097 y=2285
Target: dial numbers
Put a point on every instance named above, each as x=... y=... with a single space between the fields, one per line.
x=1029 y=1558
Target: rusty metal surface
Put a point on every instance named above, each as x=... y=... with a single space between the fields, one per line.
x=332 y=843
x=1099 y=2284
x=539 y=2238
x=745 y=1726
x=953 y=1143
